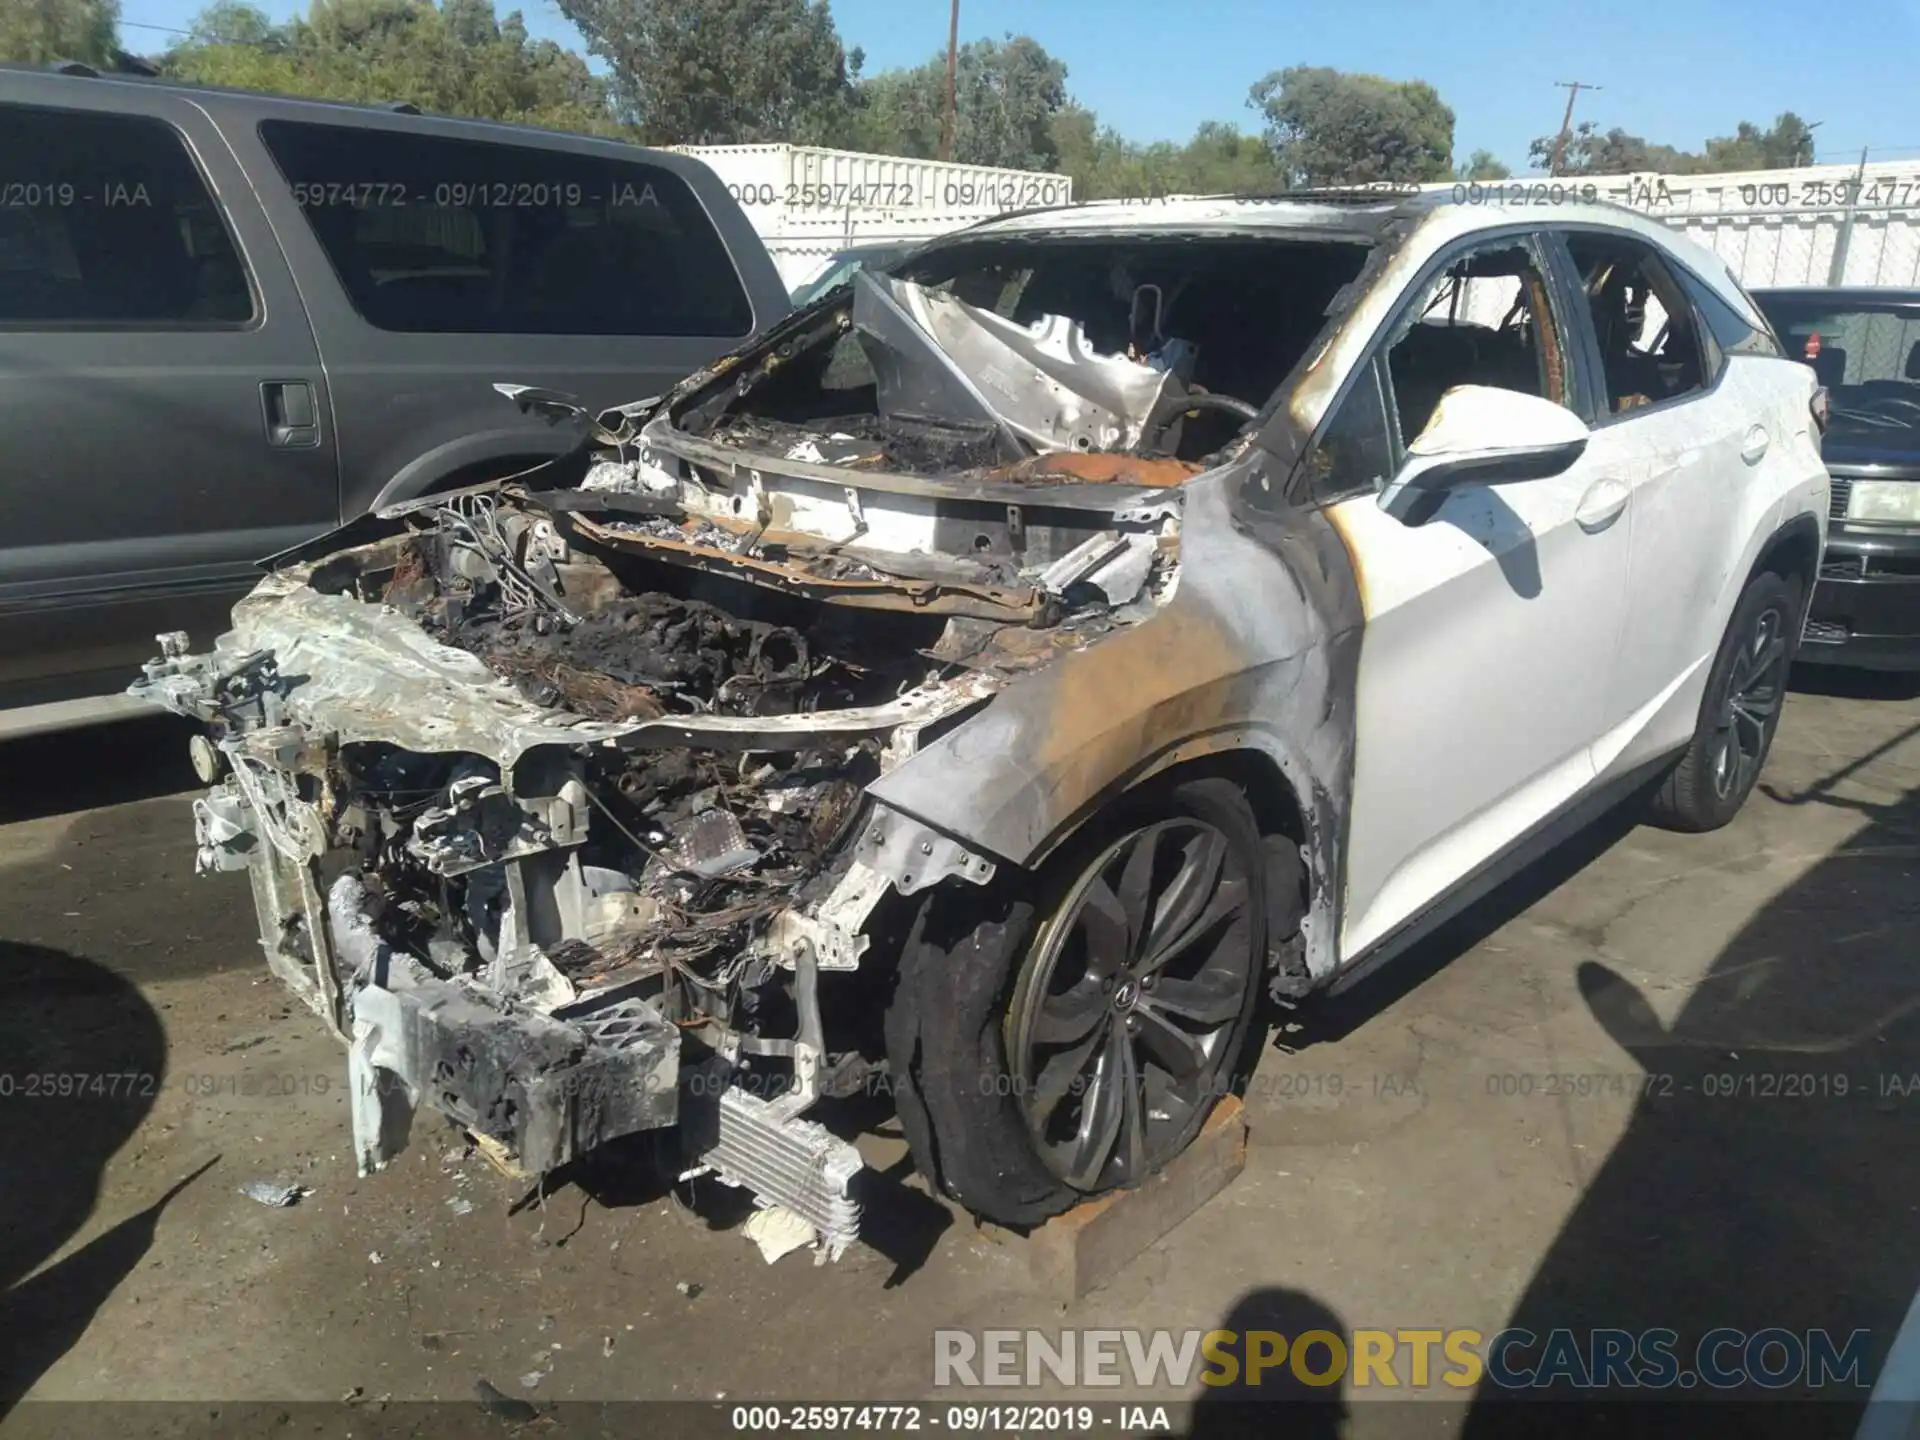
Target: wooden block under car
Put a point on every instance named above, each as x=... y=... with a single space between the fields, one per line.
x=1086 y=1247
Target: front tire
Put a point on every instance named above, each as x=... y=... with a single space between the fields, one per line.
x=1739 y=712
x=1074 y=1040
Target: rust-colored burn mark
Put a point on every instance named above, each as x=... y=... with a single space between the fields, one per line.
x=596 y=696
x=1101 y=467
x=1342 y=527
x=411 y=581
x=1140 y=692
x=986 y=602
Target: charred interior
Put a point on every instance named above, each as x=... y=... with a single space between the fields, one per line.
x=1198 y=330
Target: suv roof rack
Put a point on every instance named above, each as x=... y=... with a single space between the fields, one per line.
x=1333 y=195
x=123 y=64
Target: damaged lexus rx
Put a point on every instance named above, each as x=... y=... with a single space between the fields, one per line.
x=1007 y=675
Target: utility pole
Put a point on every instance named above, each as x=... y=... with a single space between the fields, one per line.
x=1837 y=266
x=1573 y=89
x=953 y=50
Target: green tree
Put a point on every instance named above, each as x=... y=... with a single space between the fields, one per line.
x=456 y=59
x=1221 y=160
x=722 y=72
x=37 y=31
x=1007 y=94
x=1327 y=127
x=233 y=22
x=1788 y=143
x=1481 y=165
x=1218 y=160
x=1589 y=151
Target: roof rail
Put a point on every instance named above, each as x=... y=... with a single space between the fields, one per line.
x=1365 y=193
x=122 y=64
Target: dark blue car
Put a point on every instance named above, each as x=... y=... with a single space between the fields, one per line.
x=1864 y=344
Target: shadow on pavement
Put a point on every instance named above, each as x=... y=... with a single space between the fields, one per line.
x=1854 y=684
x=1276 y=1402
x=1767 y=1179
x=98 y=765
x=82 y=1058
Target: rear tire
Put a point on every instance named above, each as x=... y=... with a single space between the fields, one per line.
x=1073 y=1039
x=1740 y=711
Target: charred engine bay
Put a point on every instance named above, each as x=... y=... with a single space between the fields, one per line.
x=689 y=851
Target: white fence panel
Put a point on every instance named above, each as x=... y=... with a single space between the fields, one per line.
x=807 y=203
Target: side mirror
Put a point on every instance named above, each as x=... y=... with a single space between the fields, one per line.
x=1482 y=435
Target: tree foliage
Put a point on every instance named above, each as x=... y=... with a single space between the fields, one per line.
x=1218 y=160
x=692 y=72
x=39 y=31
x=722 y=72
x=1007 y=94
x=1326 y=127
x=1787 y=143
x=457 y=58
x=1481 y=165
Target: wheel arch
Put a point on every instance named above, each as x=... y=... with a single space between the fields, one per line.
x=473 y=458
x=1793 y=553
x=1286 y=802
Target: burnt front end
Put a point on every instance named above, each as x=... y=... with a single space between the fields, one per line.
x=605 y=801
x=555 y=805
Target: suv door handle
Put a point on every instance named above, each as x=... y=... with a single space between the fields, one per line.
x=1602 y=503
x=1756 y=445
x=291 y=419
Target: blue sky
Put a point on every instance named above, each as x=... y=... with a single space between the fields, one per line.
x=1675 y=73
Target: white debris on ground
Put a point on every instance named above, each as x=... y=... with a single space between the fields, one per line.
x=268 y=1192
x=779 y=1231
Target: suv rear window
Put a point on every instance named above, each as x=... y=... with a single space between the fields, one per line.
x=105 y=220
x=429 y=234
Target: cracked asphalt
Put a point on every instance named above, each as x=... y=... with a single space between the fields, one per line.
x=1659 y=1080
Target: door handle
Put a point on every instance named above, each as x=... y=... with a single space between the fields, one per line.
x=1602 y=503
x=292 y=423
x=1756 y=445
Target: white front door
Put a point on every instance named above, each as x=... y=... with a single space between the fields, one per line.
x=1491 y=629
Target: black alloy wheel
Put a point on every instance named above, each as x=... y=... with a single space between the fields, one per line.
x=1124 y=1020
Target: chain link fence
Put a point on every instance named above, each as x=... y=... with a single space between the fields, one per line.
x=1818 y=225
x=1772 y=247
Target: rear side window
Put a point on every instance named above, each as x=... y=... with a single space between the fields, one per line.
x=429 y=234
x=1730 y=330
x=105 y=220
x=1651 y=348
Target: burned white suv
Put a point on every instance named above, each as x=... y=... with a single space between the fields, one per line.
x=1008 y=672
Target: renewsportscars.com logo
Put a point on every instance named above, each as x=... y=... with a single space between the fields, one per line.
x=1514 y=1359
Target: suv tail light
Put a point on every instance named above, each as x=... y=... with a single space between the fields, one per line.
x=1820 y=407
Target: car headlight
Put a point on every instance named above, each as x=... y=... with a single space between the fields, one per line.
x=1890 y=500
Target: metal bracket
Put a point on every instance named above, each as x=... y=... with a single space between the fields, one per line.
x=914 y=856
